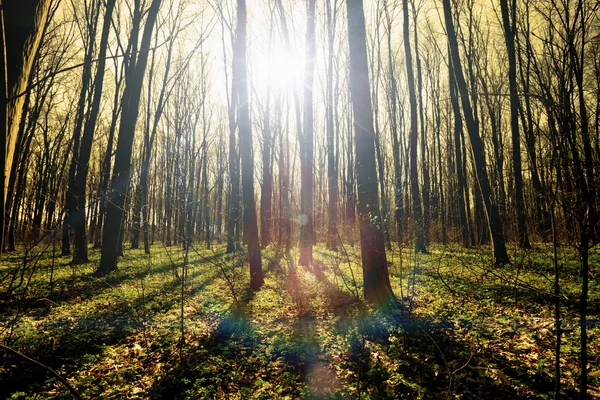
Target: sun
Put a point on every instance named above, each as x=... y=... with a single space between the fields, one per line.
x=280 y=68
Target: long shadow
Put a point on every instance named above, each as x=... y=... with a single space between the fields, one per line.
x=84 y=286
x=73 y=339
x=387 y=355
x=504 y=294
x=233 y=358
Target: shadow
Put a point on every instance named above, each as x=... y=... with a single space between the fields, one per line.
x=328 y=344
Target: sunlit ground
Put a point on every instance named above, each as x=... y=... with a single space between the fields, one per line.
x=464 y=329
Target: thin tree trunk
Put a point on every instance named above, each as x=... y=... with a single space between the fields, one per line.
x=424 y=166
x=81 y=173
x=245 y=136
x=509 y=23
x=460 y=172
x=307 y=144
x=111 y=237
x=414 y=174
x=267 y=186
x=332 y=175
x=477 y=150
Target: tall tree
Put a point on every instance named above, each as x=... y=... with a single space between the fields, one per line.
x=458 y=161
x=332 y=175
x=307 y=143
x=393 y=104
x=477 y=150
x=414 y=174
x=88 y=36
x=423 y=136
x=111 y=237
x=266 y=194
x=79 y=184
x=509 y=23
x=22 y=27
x=245 y=134
x=377 y=288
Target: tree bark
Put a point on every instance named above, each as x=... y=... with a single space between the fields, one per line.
x=111 y=237
x=22 y=23
x=509 y=22
x=245 y=136
x=307 y=143
x=414 y=174
x=459 y=167
x=477 y=150
x=377 y=288
x=81 y=173
x=332 y=176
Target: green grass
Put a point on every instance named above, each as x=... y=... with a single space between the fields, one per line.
x=464 y=330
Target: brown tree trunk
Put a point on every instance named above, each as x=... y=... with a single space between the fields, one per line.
x=85 y=151
x=307 y=144
x=423 y=144
x=245 y=135
x=477 y=150
x=414 y=174
x=23 y=23
x=377 y=288
x=111 y=238
x=460 y=171
x=267 y=186
x=332 y=175
x=394 y=130
x=509 y=22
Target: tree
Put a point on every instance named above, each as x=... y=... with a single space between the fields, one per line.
x=425 y=215
x=377 y=288
x=462 y=192
x=477 y=150
x=245 y=137
x=22 y=31
x=307 y=143
x=509 y=23
x=332 y=173
x=414 y=175
x=393 y=104
x=78 y=186
x=111 y=237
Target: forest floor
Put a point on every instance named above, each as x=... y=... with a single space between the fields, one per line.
x=464 y=329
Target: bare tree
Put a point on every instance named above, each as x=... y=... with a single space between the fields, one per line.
x=477 y=150
x=377 y=288
x=111 y=237
x=245 y=136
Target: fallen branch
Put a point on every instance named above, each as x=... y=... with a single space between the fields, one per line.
x=60 y=378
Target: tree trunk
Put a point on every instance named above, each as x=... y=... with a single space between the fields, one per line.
x=81 y=174
x=267 y=186
x=307 y=143
x=377 y=288
x=424 y=166
x=509 y=23
x=394 y=129
x=460 y=172
x=414 y=174
x=111 y=237
x=332 y=176
x=245 y=135
x=477 y=150
x=23 y=25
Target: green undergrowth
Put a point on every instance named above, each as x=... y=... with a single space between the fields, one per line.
x=463 y=329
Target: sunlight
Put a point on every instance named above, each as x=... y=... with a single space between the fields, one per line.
x=281 y=69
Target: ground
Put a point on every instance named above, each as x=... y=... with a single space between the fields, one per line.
x=463 y=329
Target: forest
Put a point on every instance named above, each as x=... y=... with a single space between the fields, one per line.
x=300 y=199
